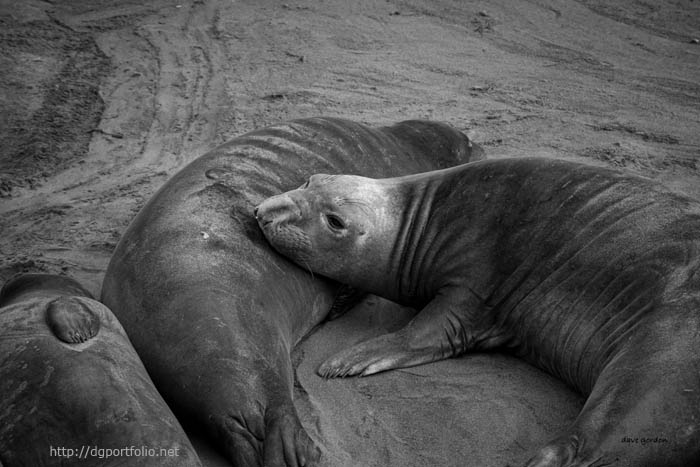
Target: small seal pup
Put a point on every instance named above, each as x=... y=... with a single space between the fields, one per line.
x=588 y=273
x=72 y=389
x=212 y=310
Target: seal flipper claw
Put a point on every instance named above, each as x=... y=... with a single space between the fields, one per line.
x=382 y=353
x=72 y=321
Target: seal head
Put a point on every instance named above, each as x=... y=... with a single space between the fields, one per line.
x=334 y=225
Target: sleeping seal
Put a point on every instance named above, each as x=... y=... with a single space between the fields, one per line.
x=586 y=272
x=72 y=389
x=212 y=310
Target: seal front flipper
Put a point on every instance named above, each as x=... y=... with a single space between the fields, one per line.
x=441 y=330
x=381 y=353
x=287 y=443
x=72 y=321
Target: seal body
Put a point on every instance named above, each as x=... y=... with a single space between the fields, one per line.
x=588 y=273
x=212 y=310
x=72 y=389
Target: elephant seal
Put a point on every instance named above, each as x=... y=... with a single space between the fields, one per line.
x=212 y=310
x=72 y=389
x=589 y=273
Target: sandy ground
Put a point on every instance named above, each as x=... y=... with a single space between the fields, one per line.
x=103 y=100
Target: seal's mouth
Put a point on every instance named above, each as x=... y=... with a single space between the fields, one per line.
x=261 y=221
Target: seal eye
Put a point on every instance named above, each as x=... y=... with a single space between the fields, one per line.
x=335 y=222
x=305 y=185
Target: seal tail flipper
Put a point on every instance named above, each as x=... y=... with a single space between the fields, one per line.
x=71 y=320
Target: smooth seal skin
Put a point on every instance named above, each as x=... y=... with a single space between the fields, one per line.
x=586 y=272
x=212 y=310
x=72 y=386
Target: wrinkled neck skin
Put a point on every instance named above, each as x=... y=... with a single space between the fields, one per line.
x=424 y=255
x=371 y=267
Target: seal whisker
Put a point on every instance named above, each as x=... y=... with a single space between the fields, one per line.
x=306 y=264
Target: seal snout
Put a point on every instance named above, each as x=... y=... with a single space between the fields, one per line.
x=279 y=219
x=278 y=209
